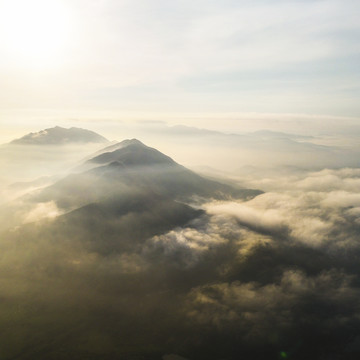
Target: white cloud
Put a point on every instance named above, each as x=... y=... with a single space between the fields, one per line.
x=312 y=210
x=46 y=210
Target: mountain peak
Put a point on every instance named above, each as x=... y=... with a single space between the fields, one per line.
x=60 y=136
x=131 y=142
x=131 y=152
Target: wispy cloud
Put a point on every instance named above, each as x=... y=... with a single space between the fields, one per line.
x=269 y=56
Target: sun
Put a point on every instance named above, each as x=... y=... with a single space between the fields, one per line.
x=34 y=32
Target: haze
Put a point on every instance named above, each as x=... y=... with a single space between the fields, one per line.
x=179 y=180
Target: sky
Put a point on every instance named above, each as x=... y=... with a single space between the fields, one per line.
x=199 y=62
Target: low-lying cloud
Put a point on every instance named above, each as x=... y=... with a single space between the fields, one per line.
x=273 y=277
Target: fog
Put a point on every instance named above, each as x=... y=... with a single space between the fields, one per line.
x=124 y=253
x=230 y=146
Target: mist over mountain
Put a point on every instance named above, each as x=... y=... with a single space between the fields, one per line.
x=129 y=168
x=131 y=194
x=179 y=180
x=60 y=136
x=128 y=254
x=49 y=152
x=264 y=149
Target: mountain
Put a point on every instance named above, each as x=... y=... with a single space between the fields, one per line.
x=134 y=167
x=132 y=152
x=119 y=225
x=108 y=276
x=131 y=194
x=59 y=136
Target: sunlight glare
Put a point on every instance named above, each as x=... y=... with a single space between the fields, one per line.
x=34 y=33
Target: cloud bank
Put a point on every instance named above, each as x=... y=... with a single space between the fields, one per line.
x=276 y=276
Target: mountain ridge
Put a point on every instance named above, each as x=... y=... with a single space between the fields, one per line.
x=60 y=136
x=133 y=152
x=131 y=167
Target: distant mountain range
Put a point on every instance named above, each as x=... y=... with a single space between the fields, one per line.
x=59 y=135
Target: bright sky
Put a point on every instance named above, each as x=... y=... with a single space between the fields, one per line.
x=78 y=59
